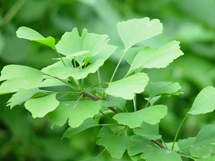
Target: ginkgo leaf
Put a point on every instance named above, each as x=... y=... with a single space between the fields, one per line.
x=21 y=96
x=30 y=34
x=71 y=43
x=151 y=115
x=116 y=145
x=88 y=123
x=41 y=106
x=204 y=102
x=137 y=30
x=151 y=58
x=127 y=87
x=65 y=72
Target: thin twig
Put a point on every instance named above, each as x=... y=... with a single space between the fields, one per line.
x=158 y=144
x=97 y=98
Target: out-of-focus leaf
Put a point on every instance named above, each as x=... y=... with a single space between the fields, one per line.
x=127 y=87
x=30 y=34
x=137 y=30
x=151 y=115
x=204 y=101
x=39 y=107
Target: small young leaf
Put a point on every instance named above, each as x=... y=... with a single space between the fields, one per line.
x=151 y=115
x=116 y=145
x=204 y=102
x=88 y=123
x=151 y=58
x=39 y=107
x=65 y=72
x=30 y=34
x=137 y=30
x=21 y=96
x=127 y=87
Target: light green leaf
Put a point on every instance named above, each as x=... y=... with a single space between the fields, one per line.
x=210 y=158
x=151 y=115
x=160 y=154
x=204 y=102
x=30 y=34
x=39 y=107
x=163 y=88
x=139 y=144
x=204 y=145
x=21 y=96
x=148 y=131
x=65 y=72
x=88 y=123
x=137 y=30
x=127 y=87
x=116 y=145
x=81 y=110
x=19 y=77
x=151 y=58
x=71 y=43
x=18 y=71
x=185 y=143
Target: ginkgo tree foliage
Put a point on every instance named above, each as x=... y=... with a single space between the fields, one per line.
x=84 y=99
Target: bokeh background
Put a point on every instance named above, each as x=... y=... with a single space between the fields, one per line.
x=191 y=22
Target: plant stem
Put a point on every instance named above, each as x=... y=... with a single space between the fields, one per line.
x=158 y=144
x=13 y=11
x=134 y=103
x=96 y=99
x=177 y=132
x=117 y=66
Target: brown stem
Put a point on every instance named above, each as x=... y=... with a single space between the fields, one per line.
x=97 y=98
x=158 y=144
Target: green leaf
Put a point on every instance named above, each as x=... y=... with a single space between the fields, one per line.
x=139 y=144
x=204 y=102
x=88 y=123
x=30 y=34
x=151 y=115
x=204 y=145
x=151 y=58
x=19 y=77
x=82 y=110
x=65 y=72
x=39 y=107
x=71 y=43
x=116 y=145
x=210 y=158
x=185 y=143
x=163 y=88
x=137 y=30
x=127 y=87
x=21 y=96
x=160 y=154
x=148 y=131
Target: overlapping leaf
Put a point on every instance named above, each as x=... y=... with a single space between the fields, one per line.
x=30 y=34
x=18 y=77
x=76 y=112
x=41 y=106
x=137 y=30
x=151 y=115
x=127 y=87
x=204 y=102
x=151 y=58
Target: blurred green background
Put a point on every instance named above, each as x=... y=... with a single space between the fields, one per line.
x=191 y=22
